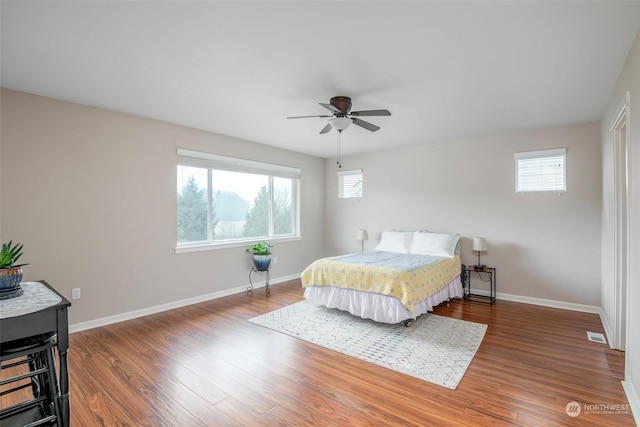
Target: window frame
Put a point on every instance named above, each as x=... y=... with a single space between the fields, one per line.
x=211 y=162
x=541 y=156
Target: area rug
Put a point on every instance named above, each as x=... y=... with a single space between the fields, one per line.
x=434 y=348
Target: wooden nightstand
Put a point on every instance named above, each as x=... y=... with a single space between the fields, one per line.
x=486 y=274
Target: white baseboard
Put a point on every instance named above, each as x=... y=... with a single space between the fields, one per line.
x=543 y=302
x=77 y=327
x=632 y=397
x=607 y=328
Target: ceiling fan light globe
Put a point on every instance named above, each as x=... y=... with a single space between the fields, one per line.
x=340 y=123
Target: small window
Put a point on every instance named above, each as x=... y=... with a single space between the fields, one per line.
x=544 y=170
x=350 y=184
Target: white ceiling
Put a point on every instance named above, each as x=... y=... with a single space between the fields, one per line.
x=444 y=69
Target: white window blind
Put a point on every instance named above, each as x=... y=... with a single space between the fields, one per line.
x=541 y=170
x=350 y=184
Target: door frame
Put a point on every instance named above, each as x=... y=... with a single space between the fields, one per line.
x=621 y=226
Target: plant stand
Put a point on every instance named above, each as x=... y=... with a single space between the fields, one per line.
x=255 y=270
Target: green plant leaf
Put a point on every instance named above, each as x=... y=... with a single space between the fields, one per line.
x=10 y=254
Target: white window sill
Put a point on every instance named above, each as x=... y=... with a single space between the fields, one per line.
x=245 y=244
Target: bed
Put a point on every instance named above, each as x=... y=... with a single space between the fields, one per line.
x=404 y=276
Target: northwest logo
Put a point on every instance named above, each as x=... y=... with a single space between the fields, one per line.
x=573 y=409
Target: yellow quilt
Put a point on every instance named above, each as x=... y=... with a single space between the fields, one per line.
x=409 y=278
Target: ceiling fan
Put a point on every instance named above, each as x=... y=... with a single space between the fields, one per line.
x=342 y=116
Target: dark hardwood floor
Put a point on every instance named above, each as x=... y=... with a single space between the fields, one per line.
x=205 y=365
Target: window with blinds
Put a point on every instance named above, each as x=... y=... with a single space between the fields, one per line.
x=544 y=170
x=350 y=184
x=221 y=200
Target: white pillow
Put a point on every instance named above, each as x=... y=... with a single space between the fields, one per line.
x=436 y=244
x=395 y=241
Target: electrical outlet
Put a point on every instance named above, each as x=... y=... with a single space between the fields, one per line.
x=275 y=259
x=75 y=293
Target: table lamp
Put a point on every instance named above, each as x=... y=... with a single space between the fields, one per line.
x=480 y=245
x=362 y=236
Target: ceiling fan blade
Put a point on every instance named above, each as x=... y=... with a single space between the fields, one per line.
x=326 y=129
x=371 y=113
x=305 y=117
x=331 y=108
x=366 y=125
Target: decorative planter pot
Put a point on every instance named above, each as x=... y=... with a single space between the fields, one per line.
x=10 y=283
x=262 y=262
x=10 y=278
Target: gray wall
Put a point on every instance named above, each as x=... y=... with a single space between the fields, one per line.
x=544 y=245
x=92 y=195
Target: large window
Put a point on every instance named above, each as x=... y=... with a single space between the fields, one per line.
x=541 y=171
x=224 y=200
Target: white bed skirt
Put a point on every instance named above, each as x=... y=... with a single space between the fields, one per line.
x=381 y=308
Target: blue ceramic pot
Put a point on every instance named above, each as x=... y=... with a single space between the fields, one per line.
x=10 y=278
x=262 y=262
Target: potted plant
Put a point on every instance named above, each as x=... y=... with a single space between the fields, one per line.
x=10 y=271
x=261 y=255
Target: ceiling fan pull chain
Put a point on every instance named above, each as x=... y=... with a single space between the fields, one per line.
x=339 y=149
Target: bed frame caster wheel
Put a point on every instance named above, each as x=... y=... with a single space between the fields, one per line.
x=408 y=322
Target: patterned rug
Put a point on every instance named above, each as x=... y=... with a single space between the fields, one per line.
x=434 y=348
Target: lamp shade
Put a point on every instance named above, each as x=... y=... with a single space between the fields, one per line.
x=362 y=234
x=480 y=244
x=340 y=123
